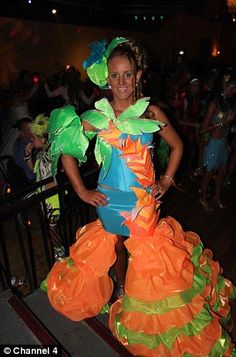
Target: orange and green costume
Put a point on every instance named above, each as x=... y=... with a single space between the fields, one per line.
x=176 y=302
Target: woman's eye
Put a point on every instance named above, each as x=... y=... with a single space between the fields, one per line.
x=128 y=74
x=113 y=75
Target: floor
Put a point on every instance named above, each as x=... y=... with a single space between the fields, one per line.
x=32 y=323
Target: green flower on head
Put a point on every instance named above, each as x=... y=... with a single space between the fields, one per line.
x=96 y=63
x=98 y=73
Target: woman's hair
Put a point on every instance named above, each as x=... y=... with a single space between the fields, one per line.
x=20 y=122
x=71 y=79
x=39 y=126
x=226 y=77
x=136 y=56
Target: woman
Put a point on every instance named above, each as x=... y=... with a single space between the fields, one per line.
x=216 y=126
x=162 y=294
x=191 y=121
x=70 y=90
x=18 y=108
x=42 y=170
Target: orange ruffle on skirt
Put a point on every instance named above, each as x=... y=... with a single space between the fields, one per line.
x=175 y=300
x=79 y=286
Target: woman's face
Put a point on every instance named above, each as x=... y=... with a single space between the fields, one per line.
x=122 y=78
x=229 y=90
x=195 y=87
x=38 y=142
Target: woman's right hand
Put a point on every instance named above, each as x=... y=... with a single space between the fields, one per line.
x=93 y=197
x=28 y=149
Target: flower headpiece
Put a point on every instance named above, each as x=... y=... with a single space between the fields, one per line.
x=96 y=63
x=39 y=125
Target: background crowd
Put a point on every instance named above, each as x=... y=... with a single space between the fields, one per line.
x=183 y=91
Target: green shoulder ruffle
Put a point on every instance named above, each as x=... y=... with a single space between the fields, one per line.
x=66 y=136
x=129 y=122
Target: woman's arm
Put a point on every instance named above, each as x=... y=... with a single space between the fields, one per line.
x=207 y=124
x=85 y=99
x=54 y=93
x=94 y=197
x=32 y=91
x=173 y=140
x=28 y=156
x=191 y=125
x=229 y=118
x=176 y=150
x=70 y=165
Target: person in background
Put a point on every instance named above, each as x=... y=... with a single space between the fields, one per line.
x=42 y=170
x=23 y=154
x=17 y=107
x=71 y=90
x=219 y=115
x=232 y=156
x=191 y=121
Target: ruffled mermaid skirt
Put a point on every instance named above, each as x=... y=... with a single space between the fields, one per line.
x=176 y=301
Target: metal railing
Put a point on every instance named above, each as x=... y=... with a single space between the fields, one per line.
x=24 y=228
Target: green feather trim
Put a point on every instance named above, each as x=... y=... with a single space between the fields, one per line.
x=163 y=152
x=90 y=134
x=137 y=126
x=97 y=119
x=102 y=153
x=66 y=136
x=134 y=110
x=105 y=106
x=61 y=118
x=97 y=151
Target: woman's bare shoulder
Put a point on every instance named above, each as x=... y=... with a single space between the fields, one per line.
x=157 y=113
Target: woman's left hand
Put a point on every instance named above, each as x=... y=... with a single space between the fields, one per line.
x=159 y=188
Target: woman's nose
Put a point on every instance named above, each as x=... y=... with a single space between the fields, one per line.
x=121 y=80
